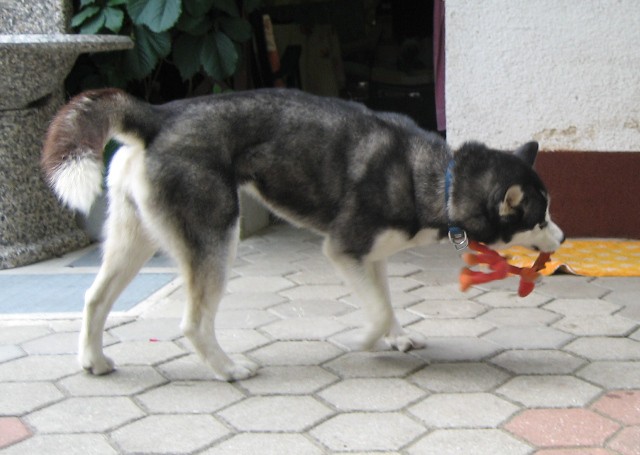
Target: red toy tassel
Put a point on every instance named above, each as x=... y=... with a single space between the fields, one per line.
x=500 y=269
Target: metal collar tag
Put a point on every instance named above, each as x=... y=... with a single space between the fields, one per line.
x=458 y=238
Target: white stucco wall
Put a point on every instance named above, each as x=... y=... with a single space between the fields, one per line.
x=563 y=72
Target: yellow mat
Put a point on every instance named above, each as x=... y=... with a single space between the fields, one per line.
x=586 y=257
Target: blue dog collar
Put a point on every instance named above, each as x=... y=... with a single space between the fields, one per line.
x=457 y=236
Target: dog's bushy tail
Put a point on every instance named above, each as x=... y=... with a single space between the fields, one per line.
x=72 y=156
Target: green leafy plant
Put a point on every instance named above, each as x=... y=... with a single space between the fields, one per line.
x=201 y=39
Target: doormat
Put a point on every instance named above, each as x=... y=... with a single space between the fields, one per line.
x=592 y=257
x=65 y=293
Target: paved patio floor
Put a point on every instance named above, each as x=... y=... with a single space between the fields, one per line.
x=556 y=373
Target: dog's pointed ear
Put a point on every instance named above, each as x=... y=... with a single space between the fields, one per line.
x=512 y=199
x=528 y=152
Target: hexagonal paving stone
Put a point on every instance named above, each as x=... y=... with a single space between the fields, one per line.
x=189 y=368
x=371 y=394
x=162 y=329
x=509 y=284
x=537 y=337
x=538 y=362
x=626 y=442
x=190 y=397
x=124 y=381
x=612 y=374
x=315 y=292
x=570 y=287
x=253 y=300
x=499 y=299
x=618 y=284
x=39 y=368
x=59 y=343
x=582 y=307
x=549 y=391
x=434 y=277
x=621 y=405
x=296 y=353
x=398 y=300
x=17 y=334
x=403 y=269
x=623 y=297
x=579 y=451
x=266 y=268
x=447 y=309
x=403 y=284
x=243 y=319
x=311 y=308
x=303 y=328
x=286 y=380
x=468 y=410
x=454 y=349
x=67 y=444
x=12 y=430
x=251 y=284
x=84 y=415
x=10 y=352
x=357 y=318
x=446 y=292
x=21 y=398
x=322 y=276
x=238 y=340
x=596 y=325
x=452 y=442
x=143 y=352
x=374 y=364
x=276 y=413
x=170 y=433
x=367 y=432
x=519 y=317
x=605 y=348
x=452 y=327
x=631 y=310
x=265 y=444
x=562 y=427
x=459 y=377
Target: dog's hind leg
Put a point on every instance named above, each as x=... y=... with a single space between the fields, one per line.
x=205 y=278
x=126 y=248
x=369 y=281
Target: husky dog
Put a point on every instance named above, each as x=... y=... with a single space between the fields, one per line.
x=372 y=183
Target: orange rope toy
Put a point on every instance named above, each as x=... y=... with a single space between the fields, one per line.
x=500 y=269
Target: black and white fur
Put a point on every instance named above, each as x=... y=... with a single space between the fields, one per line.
x=371 y=183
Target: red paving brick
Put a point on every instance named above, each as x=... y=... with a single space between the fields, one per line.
x=12 y=430
x=627 y=442
x=562 y=427
x=621 y=405
x=580 y=451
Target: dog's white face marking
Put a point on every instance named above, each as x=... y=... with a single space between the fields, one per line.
x=545 y=236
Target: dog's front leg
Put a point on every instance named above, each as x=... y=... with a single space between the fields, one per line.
x=369 y=281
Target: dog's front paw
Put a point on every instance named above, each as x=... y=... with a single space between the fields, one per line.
x=97 y=365
x=239 y=370
x=404 y=342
